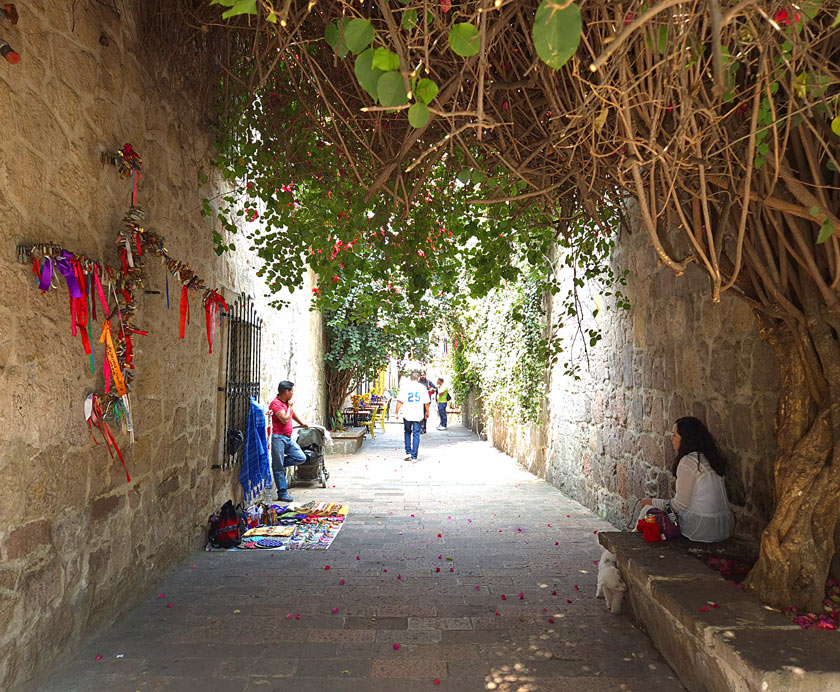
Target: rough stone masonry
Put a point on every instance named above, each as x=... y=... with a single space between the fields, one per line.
x=78 y=545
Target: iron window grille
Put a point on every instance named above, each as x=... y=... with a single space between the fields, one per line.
x=242 y=375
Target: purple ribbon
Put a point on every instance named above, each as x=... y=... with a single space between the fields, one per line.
x=64 y=266
x=46 y=275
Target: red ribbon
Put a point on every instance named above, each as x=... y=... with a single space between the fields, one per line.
x=98 y=420
x=79 y=308
x=213 y=298
x=185 y=310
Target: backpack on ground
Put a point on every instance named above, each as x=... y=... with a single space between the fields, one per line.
x=225 y=529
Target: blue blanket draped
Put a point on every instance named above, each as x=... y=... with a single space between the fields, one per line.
x=255 y=475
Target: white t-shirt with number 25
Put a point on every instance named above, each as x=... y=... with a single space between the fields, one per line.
x=414 y=397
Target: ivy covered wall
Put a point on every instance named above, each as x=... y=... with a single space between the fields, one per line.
x=600 y=433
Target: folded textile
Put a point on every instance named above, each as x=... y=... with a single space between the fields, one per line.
x=255 y=474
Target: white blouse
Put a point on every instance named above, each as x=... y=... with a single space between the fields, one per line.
x=700 y=503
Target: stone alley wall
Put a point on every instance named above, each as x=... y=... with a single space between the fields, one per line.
x=674 y=353
x=79 y=545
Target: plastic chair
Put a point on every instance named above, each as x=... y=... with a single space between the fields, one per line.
x=369 y=424
x=380 y=415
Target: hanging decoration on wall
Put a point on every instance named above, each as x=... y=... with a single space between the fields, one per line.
x=9 y=53
x=9 y=12
x=90 y=282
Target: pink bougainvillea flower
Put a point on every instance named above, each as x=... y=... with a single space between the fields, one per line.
x=384 y=570
x=440 y=535
x=595 y=531
x=553 y=593
x=437 y=569
x=548 y=525
x=440 y=557
x=98 y=658
x=436 y=682
x=496 y=612
x=576 y=587
x=327 y=567
x=504 y=598
x=551 y=620
x=396 y=647
x=297 y=616
x=289 y=616
x=358 y=558
x=341 y=582
x=703 y=609
x=160 y=595
x=335 y=610
x=568 y=601
x=412 y=516
x=556 y=543
x=399 y=576
x=478 y=588
x=568 y=515
x=521 y=595
x=500 y=530
x=451 y=569
x=169 y=605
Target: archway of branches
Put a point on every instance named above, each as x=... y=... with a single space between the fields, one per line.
x=720 y=118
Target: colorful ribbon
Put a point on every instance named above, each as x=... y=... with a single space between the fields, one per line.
x=212 y=303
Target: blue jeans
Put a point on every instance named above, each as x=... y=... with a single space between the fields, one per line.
x=442 y=413
x=284 y=452
x=412 y=437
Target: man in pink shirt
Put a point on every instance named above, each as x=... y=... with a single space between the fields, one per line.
x=284 y=451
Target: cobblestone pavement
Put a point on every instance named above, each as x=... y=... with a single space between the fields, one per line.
x=461 y=571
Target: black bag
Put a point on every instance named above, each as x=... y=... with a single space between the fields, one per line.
x=225 y=528
x=448 y=398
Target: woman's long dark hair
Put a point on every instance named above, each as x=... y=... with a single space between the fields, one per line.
x=694 y=437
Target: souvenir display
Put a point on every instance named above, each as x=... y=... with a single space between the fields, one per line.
x=313 y=526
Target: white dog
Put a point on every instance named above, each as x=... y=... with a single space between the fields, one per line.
x=610 y=584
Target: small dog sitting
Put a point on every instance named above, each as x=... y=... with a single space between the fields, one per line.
x=610 y=584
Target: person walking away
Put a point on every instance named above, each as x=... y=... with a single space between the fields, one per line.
x=284 y=451
x=414 y=400
x=442 y=399
x=432 y=394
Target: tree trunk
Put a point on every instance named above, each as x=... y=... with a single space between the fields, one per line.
x=339 y=385
x=797 y=545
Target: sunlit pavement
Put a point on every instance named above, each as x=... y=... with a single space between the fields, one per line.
x=459 y=572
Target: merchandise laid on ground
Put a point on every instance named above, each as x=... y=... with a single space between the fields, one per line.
x=312 y=526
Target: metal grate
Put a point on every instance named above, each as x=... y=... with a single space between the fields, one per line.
x=242 y=376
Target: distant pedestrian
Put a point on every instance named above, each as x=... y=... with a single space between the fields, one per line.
x=414 y=397
x=443 y=399
x=432 y=395
x=284 y=451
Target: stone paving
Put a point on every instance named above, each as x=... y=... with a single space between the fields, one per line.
x=461 y=571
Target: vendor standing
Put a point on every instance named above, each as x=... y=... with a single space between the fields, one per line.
x=284 y=451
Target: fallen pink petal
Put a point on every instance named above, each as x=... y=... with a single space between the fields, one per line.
x=396 y=647
x=521 y=595
x=335 y=610
x=341 y=581
x=98 y=658
x=168 y=605
x=160 y=595
x=704 y=609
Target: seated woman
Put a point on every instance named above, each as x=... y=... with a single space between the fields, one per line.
x=700 y=503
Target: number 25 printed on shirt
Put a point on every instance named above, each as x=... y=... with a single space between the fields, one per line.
x=414 y=397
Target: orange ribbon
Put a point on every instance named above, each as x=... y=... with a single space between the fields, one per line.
x=111 y=354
